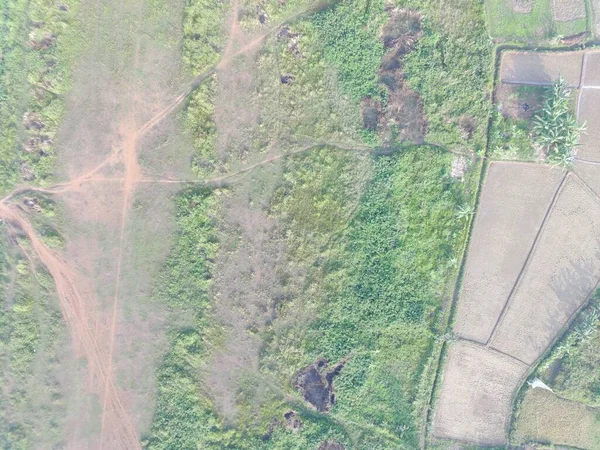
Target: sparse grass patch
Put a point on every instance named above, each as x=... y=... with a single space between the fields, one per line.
x=39 y=43
x=32 y=332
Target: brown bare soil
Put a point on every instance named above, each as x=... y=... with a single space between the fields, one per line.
x=562 y=272
x=589 y=114
x=567 y=10
x=545 y=418
x=514 y=202
x=541 y=68
x=476 y=395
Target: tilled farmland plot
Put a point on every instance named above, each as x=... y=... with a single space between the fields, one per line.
x=562 y=272
x=476 y=395
x=514 y=202
x=541 y=68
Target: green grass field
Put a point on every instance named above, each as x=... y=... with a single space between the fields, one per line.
x=537 y=25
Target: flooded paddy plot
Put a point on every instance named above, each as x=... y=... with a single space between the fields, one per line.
x=561 y=274
x=476 y=395
x=514 y=202
x=541 y=68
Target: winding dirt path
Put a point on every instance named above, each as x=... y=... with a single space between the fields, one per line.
x=77 y=298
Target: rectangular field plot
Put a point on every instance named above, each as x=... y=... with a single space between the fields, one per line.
x=476 y=395
x=541 y=68
x=591 y=75
x=588 y=112
x=514 y=202
x=561 y=273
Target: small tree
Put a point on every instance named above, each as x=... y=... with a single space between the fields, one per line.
x=555 y=126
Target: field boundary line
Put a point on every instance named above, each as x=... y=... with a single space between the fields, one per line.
x=588 y=188
x=588 y=161
x=493 y=350
x=530 y=254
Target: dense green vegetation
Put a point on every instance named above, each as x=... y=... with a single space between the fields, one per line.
x=38 y=44
x=379 y=280
x=451 y=69
x=511 y=138
x=556 y=128
x=350 y=35
x=203 y=33
x=506 y=23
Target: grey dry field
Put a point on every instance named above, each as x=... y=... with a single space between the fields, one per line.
x=476 y=395
x=562 y=272
x=513 y=204
x=535 y=68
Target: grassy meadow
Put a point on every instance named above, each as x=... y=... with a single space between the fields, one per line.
x=372 y=233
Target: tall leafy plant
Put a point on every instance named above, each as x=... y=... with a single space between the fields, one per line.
x=556 y=128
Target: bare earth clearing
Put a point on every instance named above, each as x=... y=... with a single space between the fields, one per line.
x=518 y=294
x=567 y=10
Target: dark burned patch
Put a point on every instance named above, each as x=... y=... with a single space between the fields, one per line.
x=467 y=125
x=292 y=421
x=402 y=31
x=331 y=445
x=315 y=383
x=370 y=110
x=32 y=122
x=293 y=40
x=43 y=44
x=286 y=79
x=263 y=18
x=402 y=117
